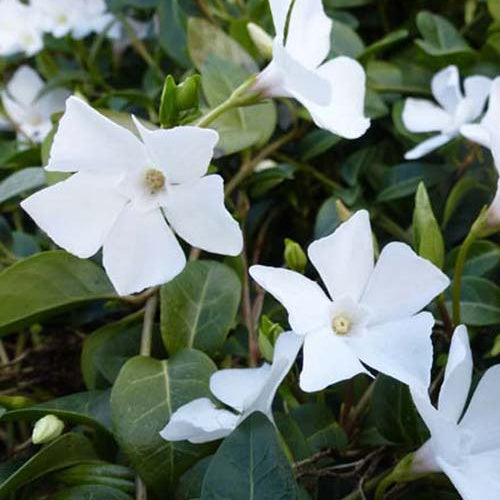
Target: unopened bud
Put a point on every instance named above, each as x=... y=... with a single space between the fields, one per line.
x=268 y=333
x=262 y=40
x=46 y=429
x=295 y=257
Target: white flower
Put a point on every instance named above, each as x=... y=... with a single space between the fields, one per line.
x=20 y=29
x=333 y=92
x=466 y=449
x=453 y=111
x=246 y=390
x=125 y=188
x=30 y=113
x=487 y=133
x=373 y=315
x=76 y=17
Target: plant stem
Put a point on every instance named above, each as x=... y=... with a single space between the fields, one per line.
x=239 y=97
x=147 y=326
x=392 y=228
x=369 y=486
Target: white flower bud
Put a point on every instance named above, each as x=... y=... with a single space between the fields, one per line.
x=262 y=40
x=46 y=429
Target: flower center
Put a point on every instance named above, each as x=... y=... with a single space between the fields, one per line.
x=155 y=180
x=341 y=325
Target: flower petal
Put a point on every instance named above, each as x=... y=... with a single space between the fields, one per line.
x=344 y=260
x=493 y=212
x=198 y=422
x=285 y=352
x=308 y=38
x=344 y=113
x=279 y=11
x=446 y=88
x=457 y=377
x=295 y=79
x=141 y=251
x=327 y=360
x=87 y=140
x=427 y=146
x=77 y=213
x=477 y=89
x=401 y=349
x=197 y=214
x=477 y=133
x=482 y=417
x=421 y=115
x=52 y=102
x=238 y=387
x=25 y=85
x=305 y=301
x=182 y=153
x=401 y=284
x=477 y=477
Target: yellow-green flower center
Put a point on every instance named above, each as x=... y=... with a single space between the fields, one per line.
x=341 y=325
x=155 y=180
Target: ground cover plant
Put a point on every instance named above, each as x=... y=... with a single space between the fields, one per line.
x=249 y=249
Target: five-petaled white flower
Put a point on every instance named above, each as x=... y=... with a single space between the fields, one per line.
x=372 y=317
x=20 y=29
x=333 y=92
x=453 y=111
x=466 y=449
x=487 y=133
x=29 y=111
x=246 y=390
x=125 y=188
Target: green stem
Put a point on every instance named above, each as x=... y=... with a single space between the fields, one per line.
x=392 y=228
x=456 y=291
x=239 y=97
x=147 y=326
x=369 y=486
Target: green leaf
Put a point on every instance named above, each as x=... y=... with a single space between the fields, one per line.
x=198 y=307
x=393 y=411
x=173 y=37
x=403 y=179
x=482 y=258
x=459 y=190
x=21 y=181
x=316 y=143
x=47 y=284
x=494 y=8
x=384 y=43
x=91 y=492
x=67 y=450
x=427 y=237
x=250 y=464
x=479 y=302
x=108 y=348
x=344 y=41
x=242 y=127
x=145 y=395
x=206 y=40
x=441 y=38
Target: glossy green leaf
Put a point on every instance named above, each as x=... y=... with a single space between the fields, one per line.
x=145 y=394
x=20 y=182
x=91 y=492
x=479 y=302
x=47 y=284
x=198 y=307
x=67 y=450
x=483 y=257
x=345 y=41
x=173 y=37
x=402 y=180
x=250 y=464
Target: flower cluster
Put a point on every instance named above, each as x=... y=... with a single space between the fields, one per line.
x=22 y=26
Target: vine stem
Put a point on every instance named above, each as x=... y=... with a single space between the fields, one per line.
x=456 y=291
x=239 y=97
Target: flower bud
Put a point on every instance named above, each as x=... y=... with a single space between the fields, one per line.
x=262 y=40
x=295 y=258
x=268 y=333
x=46 y=429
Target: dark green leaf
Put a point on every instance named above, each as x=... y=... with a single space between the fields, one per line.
x=198 y=307
x=144 y=396
x=91 y=492
x=250 y=464
x=22 y=181
x=46 y=284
